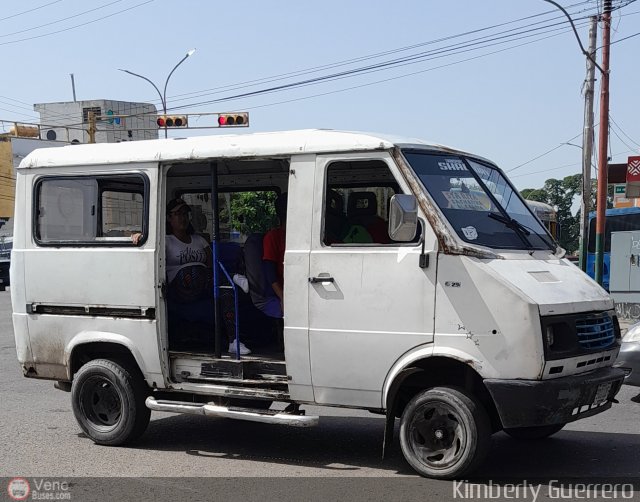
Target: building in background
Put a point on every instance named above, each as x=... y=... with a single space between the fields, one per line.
x=14 y=147
x=69 y=121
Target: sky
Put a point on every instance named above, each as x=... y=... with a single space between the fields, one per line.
x=500 y=78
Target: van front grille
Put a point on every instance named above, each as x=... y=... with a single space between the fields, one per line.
x=595 y=332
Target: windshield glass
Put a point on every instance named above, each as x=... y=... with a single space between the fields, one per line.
x=479 y=202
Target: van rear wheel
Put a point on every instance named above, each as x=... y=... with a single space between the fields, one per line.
x=108 y=401
x=444 y=433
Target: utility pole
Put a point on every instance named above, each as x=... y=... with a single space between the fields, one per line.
x=603 y=143
x=587 y=143
x=92 y=127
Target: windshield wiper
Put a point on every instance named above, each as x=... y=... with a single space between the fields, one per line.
x=510 y=222
x=514 y=225
x=521 y=229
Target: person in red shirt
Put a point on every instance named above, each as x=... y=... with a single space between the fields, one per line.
x=273 y=246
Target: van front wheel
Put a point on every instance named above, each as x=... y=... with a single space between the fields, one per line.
x=444 y=433
x=108 y=402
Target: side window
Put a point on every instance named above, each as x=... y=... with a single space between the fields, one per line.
x=96 y=210
x=122 y=213
x=356 y=209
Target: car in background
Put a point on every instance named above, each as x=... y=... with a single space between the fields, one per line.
x=6 y=243
x=629 y=357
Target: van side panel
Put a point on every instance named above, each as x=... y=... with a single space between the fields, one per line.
x=18 y=300
x=299 y=214
x=497 y=331
x=84 y=286
x=378 y=306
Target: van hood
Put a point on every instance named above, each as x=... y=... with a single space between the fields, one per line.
x=556 y=285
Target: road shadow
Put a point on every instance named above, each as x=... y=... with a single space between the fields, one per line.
x=337 y=444
x=567 y=454
x=348 y=444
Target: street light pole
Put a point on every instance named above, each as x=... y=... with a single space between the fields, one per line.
x=163 y=95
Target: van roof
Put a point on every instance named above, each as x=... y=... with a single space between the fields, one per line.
x=227 y=145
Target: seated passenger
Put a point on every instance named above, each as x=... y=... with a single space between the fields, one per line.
x=364 y=225
x=335 y=220
x=189 y=272
x=273 y=251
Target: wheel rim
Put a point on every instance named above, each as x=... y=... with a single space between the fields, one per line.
x=436 y=435
x=101 y=403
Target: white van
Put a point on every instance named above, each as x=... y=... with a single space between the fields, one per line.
x=418 y=284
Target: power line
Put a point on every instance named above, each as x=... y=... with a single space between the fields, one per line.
x=77 y=25
x=414 y=59
x=60 y=20
x=543 y=154
x=30 y=10
x=403 y=61
x=372 y=68
x=613 y=129
x=573 y=164
x=622 y=131
x=391 y=78
x=398 y=62
x=315 y=69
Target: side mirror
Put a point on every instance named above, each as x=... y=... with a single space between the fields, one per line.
x=403 y=218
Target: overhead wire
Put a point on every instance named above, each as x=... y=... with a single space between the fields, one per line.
x=412 y=59
x=300 y=84
x=399 y=62
x=622 y=131
x=328 y=78
x=439 y=53
x=383 y=80
x=29 y=10
x=60 y=20
x=78 y=25
x=315 y=69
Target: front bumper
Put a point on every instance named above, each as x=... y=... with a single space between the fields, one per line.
x=629 y=361
x=531 y=403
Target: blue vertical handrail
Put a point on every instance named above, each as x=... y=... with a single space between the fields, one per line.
x=235 y=308
x=216 y=292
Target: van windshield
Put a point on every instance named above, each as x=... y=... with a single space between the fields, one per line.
x=480 y=204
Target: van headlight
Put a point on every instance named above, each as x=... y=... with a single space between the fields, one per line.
x=549 y=336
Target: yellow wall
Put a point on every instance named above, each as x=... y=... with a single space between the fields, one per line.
x=7 y=179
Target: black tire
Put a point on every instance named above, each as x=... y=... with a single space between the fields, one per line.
x=532 y=433
x=108 y=400
x=445 y=433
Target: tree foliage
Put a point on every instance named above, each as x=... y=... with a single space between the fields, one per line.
x=253 y=211
x=561 y=194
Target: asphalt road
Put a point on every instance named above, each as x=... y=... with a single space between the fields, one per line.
x=39 y=437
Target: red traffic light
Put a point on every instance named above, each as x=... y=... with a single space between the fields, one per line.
x=172 y=121
x=233 y=119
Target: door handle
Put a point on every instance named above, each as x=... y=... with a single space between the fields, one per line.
x=316 y=280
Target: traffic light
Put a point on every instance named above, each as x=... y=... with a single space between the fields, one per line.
x=233 y=119
x=172 y=121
